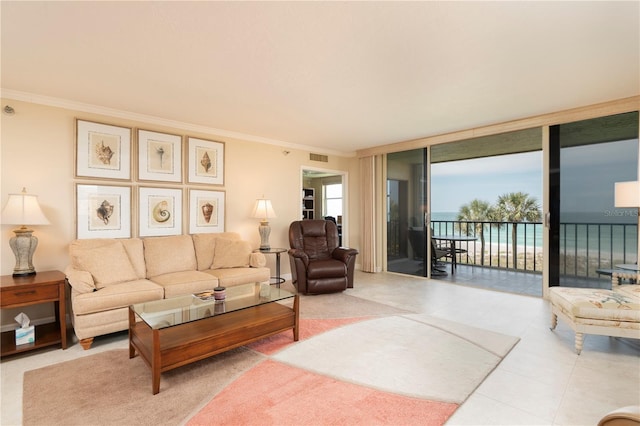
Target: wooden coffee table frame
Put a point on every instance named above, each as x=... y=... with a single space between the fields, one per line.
x=172 y=347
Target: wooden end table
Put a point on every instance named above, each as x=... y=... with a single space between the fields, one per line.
x=43 y=287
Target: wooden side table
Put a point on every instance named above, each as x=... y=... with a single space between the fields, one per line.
x=276 y=251
x=43 y=287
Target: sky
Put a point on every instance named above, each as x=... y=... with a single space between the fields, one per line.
x=457 y=183
x=587 y=178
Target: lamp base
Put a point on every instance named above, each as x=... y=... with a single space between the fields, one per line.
x=23 y=274
x=23 y=245
x=264 y=229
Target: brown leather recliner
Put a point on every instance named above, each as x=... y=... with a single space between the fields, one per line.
x=318 y=264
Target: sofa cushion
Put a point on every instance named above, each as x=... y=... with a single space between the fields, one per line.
x=233 y=276
x=596 y=304
x=108 y=264
x=205 y=245
x=116 y=296
x=164 y=255
x=135 y=250
x=186 y=282
x=231 y=254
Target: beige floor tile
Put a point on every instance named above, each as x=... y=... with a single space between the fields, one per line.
x=481 y=410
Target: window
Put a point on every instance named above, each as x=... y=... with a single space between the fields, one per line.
x=332 y=200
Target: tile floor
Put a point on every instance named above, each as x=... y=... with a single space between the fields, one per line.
x=541 y=382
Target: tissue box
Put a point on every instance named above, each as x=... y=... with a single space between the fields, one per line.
x=25 y=335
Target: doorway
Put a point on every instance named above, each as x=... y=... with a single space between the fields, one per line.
x=324 y=196
x=406 y=207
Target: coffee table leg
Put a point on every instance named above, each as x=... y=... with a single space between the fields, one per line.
x=296 y=310
x=132 y=321
x=155 y=363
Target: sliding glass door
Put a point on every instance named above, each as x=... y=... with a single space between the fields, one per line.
x=589 y=235
x=406 y=207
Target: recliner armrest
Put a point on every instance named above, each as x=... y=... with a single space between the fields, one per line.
x=299 y=254
x=343 y=253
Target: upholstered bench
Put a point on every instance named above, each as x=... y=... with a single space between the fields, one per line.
x=613 y=312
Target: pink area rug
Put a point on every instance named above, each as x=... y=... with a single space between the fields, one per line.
x=276 y=394
x=308 y=328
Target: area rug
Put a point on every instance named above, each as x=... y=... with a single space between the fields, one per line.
x=404 y=369
x=276 y=394
x=399 y=370
x=110 y=389
x=415 y=355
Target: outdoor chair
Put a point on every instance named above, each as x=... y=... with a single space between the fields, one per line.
x=437 y=267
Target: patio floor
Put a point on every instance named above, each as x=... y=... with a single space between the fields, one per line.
x=528 y=283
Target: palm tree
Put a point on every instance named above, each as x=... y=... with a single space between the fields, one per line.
x=517 y=207
x=476 y=211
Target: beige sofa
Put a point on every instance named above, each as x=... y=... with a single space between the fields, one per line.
x=108 y=275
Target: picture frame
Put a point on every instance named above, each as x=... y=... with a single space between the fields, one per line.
x=159 y=156
x=159 y=211
x=103 y=151
x=103 y=211
x=206 y=211
x=206 y=161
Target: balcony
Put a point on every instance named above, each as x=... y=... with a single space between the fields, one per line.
x=585 y=248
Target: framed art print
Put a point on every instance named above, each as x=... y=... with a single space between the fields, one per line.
x=159 y=156
x=103 y=211
x=103 y=151
x=206 y=161
x=206 y=211
x=159 y=211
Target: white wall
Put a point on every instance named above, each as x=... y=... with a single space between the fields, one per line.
x=37 y=152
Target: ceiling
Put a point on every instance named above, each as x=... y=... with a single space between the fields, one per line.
x=333 y=77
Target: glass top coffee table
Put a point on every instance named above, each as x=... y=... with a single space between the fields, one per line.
x=180 y=330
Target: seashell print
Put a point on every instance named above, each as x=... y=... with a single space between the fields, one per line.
x=104 y=153
x=161 y=212
x=160 y=152
x=207 y=210
x=105 y=211
x=206 y=162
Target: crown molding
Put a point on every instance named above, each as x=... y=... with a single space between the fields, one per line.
x=127 y=115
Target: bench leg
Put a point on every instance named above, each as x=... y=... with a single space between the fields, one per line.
x=579 y=342
x=554 y=321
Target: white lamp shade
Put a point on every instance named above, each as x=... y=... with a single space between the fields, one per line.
x=23 y=209
x=627 y=194
x=263 y=209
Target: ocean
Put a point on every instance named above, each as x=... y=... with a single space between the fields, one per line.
x=581 y=232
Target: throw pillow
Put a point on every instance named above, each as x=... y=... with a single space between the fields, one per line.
x=108 y=264
x=164 y=255
x=231 y=254
x=205 y=245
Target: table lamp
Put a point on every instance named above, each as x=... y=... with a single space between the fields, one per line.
x=628 y=195
x=263 y=210
x=23 y=209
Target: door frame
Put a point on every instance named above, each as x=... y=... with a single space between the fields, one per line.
x=345 y=195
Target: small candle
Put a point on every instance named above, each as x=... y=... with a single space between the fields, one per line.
x=219 y=293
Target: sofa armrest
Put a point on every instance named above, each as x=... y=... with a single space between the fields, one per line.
x=257 y=260
x=81 y=281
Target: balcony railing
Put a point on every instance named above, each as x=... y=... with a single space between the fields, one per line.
x=584 y=247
